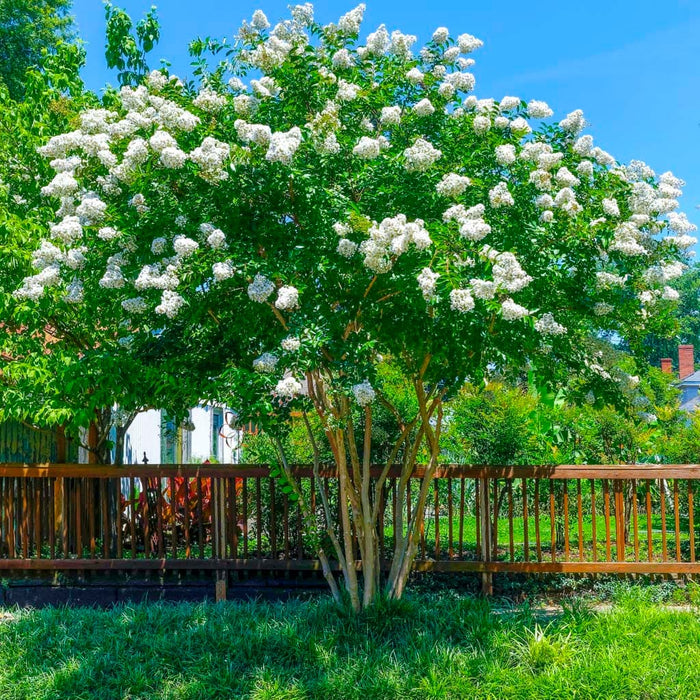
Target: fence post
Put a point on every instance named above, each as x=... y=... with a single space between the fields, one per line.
x=218 y=525
x=485 y=534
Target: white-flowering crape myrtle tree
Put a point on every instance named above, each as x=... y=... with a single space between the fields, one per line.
x=324 y=202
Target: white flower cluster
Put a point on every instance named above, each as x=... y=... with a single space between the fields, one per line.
x=364 y=393
x=170 y=303
x=424 y=108
x=222 y=271
x=421 y=155
x=209 y=101
x=261 y=288
x=211 y=157
x=390 y=239
x=184 y=246
x=283 y=145
x=452 y=185
x=259 y=134
x=136 y=305
x=663 y=273
x=216 y=238
x=499 y=196
x=291 y=344
x=461 y=300
x=505 y=155
x=390 y=116
x=471 y=222
x=154 y=277
x=369 y=148
x=548 y=326
x=626 y=240
x=288 y=388
x=510 y=311
x=539 y=110
x=266 y=363
x=609 y=279
x=427 y=281
x=287 y=298
x=113 y=277
x=508 y=274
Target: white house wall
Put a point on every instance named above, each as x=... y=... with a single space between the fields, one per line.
x=142 y=436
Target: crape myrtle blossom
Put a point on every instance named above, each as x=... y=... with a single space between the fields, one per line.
x=364 y=393
x=406 y=209
x=266 y=363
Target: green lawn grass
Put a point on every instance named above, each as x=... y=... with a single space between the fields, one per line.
x=423 y=647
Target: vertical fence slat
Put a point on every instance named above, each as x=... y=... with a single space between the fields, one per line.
x=380 y=523
x=234 y=517
x=677 y=519
x=664 y=548
x=566 y=520
x=579 y=508
x=477 y=512
x=273 y=520
x=496 y=503
x=244 y=496
x=635 y=519
x=200 y=517
x=650 y=544
x=186 y=517
x=619 y=520
x=258 y=516
x=173 y=517
x=437 y=519
x=105 y=518
x=37 y=518
x=526 y=533
x=691 y=523
x=606 y=497
x=537 y=520
x=24 y=522
x=299 y=532
x=132 y=515
x=160 y=525
x=553 y=520
x=78 y=518
x=461 y=516
x=594 y=522
x=511 y=543
x=52 y=517
x=450 y=548
x=90 y=487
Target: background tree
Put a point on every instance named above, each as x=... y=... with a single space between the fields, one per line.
x=687 y=330
x=355 y=203
x=28 y=28
x=65 y=366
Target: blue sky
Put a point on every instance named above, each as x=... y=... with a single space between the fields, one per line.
x=633 y=66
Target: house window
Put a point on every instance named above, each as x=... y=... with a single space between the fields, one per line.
x=217 y=422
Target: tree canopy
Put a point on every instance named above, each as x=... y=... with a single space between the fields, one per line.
x=28 y=28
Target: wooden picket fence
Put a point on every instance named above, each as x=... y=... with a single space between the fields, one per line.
x=573 y=519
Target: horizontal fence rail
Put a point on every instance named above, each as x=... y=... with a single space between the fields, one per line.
x=526 y=519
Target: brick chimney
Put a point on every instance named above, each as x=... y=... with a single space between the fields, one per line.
x=686 y=361
x=667 y=365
